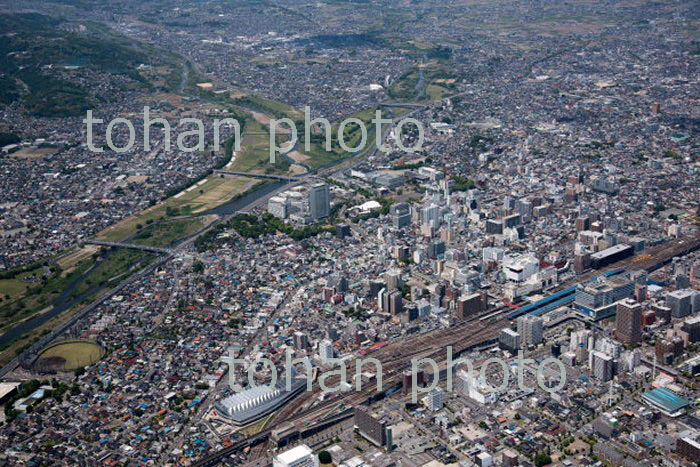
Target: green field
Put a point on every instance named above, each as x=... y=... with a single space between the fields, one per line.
x=119 y=263
x=436 y=92
x=254 y=155
x=11 y=289
x=216 y=191
x=71 y=354
x=268 y=106
x=39 y=294
x=320 y=158
x=166 y=232
x=438 y=82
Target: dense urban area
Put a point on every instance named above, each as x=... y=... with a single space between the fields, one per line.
x=510 y=278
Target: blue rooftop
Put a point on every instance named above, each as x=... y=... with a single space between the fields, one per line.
x=666 y=399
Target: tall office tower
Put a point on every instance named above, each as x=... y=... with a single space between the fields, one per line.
x=583 y=223
x=524 y=208
x=640 y=292
x=435 y=400
x=628 y=328
x=371 y=426
x=509 y=340
x=601 y=365
x=332 y=334
x=430 y=215
x=494 y=226
x=301 y=342
x=400 y=215
x=319 y=201
x=680 y=302
x=530 y=330
x=512 y=221
x=395 y=302
x=508 y=203
x=468 y=306
x=325 y=350
x=393 y=279
x=436 y=249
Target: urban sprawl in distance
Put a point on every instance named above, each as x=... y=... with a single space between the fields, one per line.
x=349 y=233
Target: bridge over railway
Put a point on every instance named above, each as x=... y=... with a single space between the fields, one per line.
x=283 y=178
x=132 y=246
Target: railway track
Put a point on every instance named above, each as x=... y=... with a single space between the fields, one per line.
x=393 y=365
x=433 y=344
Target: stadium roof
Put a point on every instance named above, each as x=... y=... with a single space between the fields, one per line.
x=253 y=403
x=666 y=400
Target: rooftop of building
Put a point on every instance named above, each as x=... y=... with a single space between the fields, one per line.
x=666 y=399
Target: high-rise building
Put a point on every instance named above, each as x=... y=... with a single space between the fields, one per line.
x=524 y=208
x=395 y=302
x=667 y=350
x=373 y=287
x=692 y=327
x=470 y=305
x=689 y=447
x=278 y=207
x=325 y=351
x=319 y=201
x=407 y=380
x=342 y=231
x=640 y=292
x=370 y=426
x=301 y=342
x=628 y=324
x=510 y=458
x=599 y=298
x=400 y=215
x=435 y=249
x=392 y=279
x=508 y=203
x=583 y=223
x=430 y=215
x=601 y=365
x=680 y=302
x=582 y=261
x=530 y=330
x=300 y=456
x=435 y=400
x=509 y=340
x=484 y=459
x=511 y=221
x=494 y=226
